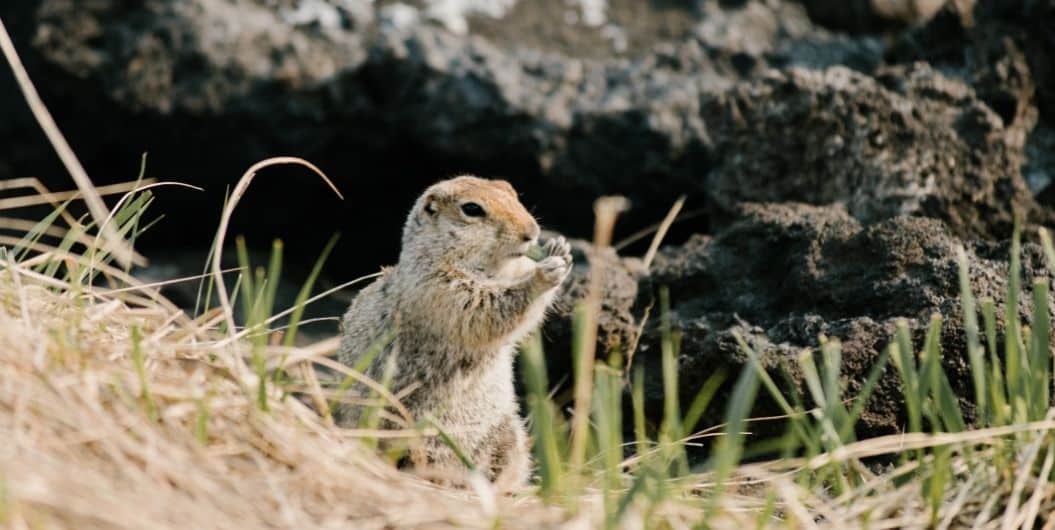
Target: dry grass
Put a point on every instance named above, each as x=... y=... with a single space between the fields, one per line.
x=119 y=410
x=82 y=450
x=114 y=242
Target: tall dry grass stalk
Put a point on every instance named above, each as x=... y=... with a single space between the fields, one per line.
x=606 y=210
x=114 y=242
x=225 y=219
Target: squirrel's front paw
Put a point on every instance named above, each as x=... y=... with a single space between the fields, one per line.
x=558 y=247
x=557 y=264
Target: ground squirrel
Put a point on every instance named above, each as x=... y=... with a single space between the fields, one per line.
x=461 y=297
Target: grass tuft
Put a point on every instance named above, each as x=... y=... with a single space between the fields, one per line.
x=68 y=317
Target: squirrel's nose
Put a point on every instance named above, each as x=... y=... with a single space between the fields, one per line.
x=531 y=234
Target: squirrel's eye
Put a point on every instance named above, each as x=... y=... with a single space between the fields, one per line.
x=472 y=209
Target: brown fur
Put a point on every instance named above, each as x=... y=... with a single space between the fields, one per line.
x=459 y=300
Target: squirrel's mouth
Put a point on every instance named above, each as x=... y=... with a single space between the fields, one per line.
x=525 y=250
x=519 y=252
x=515 y=267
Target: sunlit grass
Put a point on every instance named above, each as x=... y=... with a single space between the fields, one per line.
x=195 y=382
x=991 y=467
x=945 y=471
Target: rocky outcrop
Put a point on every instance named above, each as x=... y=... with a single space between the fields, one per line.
x=784 y=275
x=907 y=142
x=208 y=87
x=871 y=15
x=1003 y=50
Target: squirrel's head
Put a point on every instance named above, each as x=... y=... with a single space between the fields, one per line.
x=470 y=221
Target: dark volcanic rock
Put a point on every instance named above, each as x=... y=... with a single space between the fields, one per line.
x=1004 y=46
x=912 y=142
x=784 y=275
x=870 y=15
x=320 y=88
x=208 y=87
x=1003 y=49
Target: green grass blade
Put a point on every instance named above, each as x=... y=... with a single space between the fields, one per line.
x=305 y=291
x=974 y=347
x=637 y=400
x=362 y=363
x=1013 y=354
x=793 y=411
x=637 y=488
x=1000 y=412
x=139 y=361
x=729 y=447
x=812 y=378
x=671 y=407
x=246 y=268
x=607 y=421
x=831 y=355
x=127 y=222
x=944 y=409
x=452 y=445
x=21 y=250
x=935 y=484
x=904 y=360
x=1040 y=351
x=774 y=391
x=544 y=422
x=703 y=399
x=861 y=400
x=50 y=268
x=671 y=430
x=930 y=370
x=274 y=274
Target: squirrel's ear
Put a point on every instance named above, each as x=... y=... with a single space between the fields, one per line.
x=428 y=205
